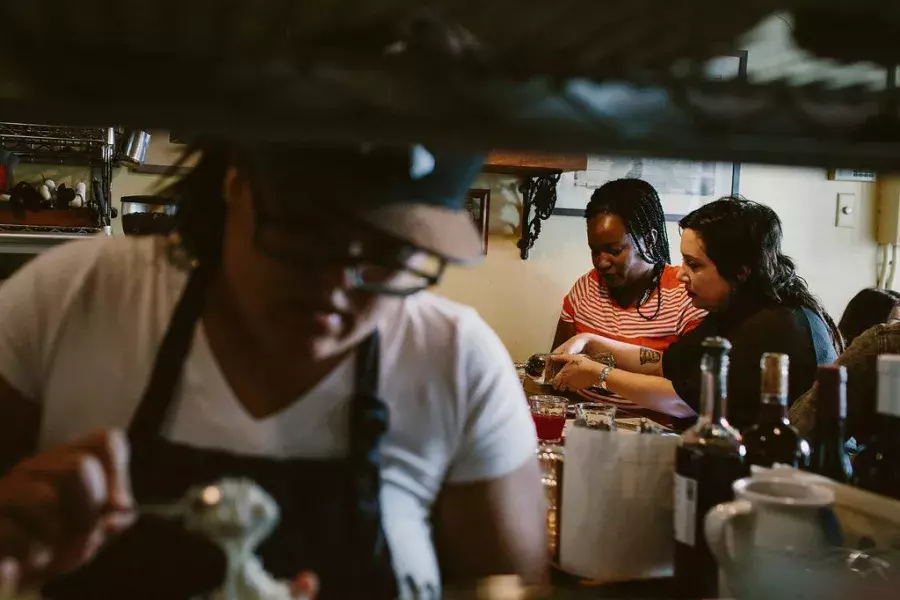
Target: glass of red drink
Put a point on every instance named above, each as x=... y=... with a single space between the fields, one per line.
x=549 y=414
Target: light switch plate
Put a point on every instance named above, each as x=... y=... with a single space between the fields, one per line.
x=846 y=211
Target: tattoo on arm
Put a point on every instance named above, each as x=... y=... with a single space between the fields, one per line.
x=649 y=356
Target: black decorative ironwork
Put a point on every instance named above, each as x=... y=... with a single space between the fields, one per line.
x=538 y=191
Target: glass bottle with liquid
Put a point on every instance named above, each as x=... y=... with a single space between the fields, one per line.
x=772 y=439
x=708 y=461
x=829 y=457
x=877 y=467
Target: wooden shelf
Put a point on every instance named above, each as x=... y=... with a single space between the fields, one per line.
x=519 y=163
x=72 y=218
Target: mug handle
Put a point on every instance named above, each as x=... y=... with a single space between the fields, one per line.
x=714 y=527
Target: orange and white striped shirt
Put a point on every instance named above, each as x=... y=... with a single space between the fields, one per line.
x=591 y=309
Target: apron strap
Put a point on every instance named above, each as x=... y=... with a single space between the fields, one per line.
x=368 y=423
x=368 y=361
x=150 y=417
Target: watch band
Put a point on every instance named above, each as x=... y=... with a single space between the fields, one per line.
x=601 y=379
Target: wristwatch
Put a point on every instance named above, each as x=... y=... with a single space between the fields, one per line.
x=601 y=379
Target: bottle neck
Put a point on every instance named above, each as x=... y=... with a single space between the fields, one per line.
x=830 y=435
x=831 y=409
x=773 y=408
x=712 y=393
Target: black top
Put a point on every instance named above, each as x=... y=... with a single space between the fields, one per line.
x=330 y=522
x=752 y=330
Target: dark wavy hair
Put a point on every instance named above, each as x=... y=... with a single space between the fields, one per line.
x=743 y=239
x=868 y=308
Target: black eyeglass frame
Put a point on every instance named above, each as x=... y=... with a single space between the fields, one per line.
x=291 y=223
x=264 y=219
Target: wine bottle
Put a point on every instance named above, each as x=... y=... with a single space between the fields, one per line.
x=709 y=459
x=877 y=467
x=829 y=458
x=772 y=439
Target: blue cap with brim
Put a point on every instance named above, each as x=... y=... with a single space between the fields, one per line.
x=412 y=192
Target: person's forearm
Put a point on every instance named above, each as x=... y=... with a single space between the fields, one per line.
x=630 y=357
x=649 y=391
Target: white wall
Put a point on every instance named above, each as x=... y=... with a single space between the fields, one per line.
x=521 y=299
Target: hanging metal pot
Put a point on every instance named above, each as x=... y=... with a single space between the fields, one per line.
x=147 y=215
x=134 y=147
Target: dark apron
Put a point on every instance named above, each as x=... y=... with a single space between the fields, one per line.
x=330 y=509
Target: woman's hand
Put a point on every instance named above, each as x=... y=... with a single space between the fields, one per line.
x=579 y=372
x=581 y=343
x=305 y=586
x=59 y=506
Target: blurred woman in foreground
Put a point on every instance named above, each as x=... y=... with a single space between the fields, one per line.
x=285 y=336
x=733 y=267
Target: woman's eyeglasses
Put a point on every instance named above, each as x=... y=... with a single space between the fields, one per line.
x=374 y=261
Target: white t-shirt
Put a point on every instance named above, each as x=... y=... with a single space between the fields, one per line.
x=80 y=326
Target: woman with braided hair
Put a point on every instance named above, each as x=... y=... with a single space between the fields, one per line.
x=734 y=268
x=632 y=294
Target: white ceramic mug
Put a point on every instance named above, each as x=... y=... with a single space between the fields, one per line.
x=770 y=515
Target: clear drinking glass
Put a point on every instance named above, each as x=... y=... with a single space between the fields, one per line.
x=549 y=414
x=551 y=459
x=595 y=415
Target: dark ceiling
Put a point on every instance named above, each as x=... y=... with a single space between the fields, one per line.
x=564 y=75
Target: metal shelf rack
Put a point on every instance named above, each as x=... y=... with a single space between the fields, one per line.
x=93 y=147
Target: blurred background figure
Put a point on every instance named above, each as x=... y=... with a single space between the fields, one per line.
x=868 y=308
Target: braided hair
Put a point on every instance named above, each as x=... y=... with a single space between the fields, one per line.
x=636 y=202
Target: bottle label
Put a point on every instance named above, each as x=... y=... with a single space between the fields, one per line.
x=685 y=510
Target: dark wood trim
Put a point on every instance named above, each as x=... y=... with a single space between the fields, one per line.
x=516 y=163
x=160 y=170
x=736 y=166
x=483 y=196
x=735 y=178
x=568 y=212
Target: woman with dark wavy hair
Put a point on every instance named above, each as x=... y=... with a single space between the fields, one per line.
x=868 y=308
x=732 y=266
